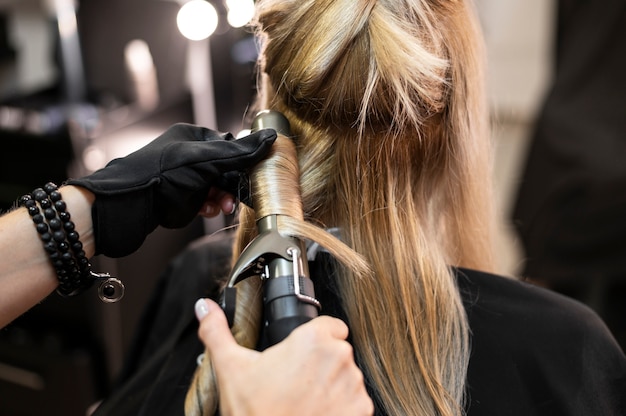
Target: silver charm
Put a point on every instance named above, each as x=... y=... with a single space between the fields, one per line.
x=110 y=289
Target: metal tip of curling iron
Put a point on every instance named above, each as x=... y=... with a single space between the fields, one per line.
x=270 y=119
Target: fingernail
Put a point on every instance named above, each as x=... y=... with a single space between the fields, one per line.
x=202 y=309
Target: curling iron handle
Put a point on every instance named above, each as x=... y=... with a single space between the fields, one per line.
x=279 y=330
x=286 y=310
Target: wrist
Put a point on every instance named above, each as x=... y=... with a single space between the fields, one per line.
x=79 y=202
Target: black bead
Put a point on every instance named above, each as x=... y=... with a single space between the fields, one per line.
x=55 y=224
x=50 y=187
x=30 y=203
x=63 y=246
x=42 y=228
x=73 y=236
x=60 y=206
x=50 y=247
x=37 y=218
x=39 y=194
x=108 y=290
x=65 y=216
x=32 y=211
x=24 y=199
x=77 y=247
x=45 y=237
x=55 y=196
x=68 y=226
x=58 y=236
x=49 y=213
x=45 y=203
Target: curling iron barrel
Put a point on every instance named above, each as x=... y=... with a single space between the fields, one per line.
x=289 y=298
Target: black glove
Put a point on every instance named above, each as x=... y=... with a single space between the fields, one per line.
x=165 y=183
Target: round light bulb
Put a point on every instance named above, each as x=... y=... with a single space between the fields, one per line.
x=197 y=20
x=240 y=12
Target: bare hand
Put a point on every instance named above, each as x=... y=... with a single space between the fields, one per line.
x=311 y=372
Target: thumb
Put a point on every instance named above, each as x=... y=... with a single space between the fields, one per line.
x=214 y=331
x=243 y=153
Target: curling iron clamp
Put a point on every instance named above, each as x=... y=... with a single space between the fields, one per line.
x=289 y=297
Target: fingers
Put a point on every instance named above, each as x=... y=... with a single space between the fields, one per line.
x=244 y=153
x=330 y=363
x=209 y=210
x=265 y=136
x=218 y=201
x=334 y=327
x=214 y=331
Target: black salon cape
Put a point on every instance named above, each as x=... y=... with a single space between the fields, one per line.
x=533 y=352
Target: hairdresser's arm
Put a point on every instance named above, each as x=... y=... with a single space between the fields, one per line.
x=312 y=372
x=26 y=273
x=167 y=182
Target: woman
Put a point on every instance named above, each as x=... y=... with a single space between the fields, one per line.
x=387 y=108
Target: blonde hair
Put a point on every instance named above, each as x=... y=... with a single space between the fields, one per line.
x=275 y=184
x=386 y=101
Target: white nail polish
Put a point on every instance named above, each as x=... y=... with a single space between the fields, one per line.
x=201 y=308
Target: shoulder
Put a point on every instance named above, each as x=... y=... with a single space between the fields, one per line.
x=512 y=302
x=525 y=316
x=544 y=352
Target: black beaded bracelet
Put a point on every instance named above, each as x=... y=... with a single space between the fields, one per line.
x=62 y=243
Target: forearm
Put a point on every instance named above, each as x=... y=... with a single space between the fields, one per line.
x=26 y=273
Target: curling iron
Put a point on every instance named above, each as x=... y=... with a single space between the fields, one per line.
x=280 y=260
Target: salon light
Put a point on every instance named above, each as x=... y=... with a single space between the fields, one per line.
x=197 y=19
x=240 y=12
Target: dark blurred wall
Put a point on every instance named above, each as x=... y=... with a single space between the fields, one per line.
x=106 y=27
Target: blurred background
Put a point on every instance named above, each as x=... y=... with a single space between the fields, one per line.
x=82 y=82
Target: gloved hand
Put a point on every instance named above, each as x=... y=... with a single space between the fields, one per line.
x=165 y=183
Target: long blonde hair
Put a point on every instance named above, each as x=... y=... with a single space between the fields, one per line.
x=386 y=101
